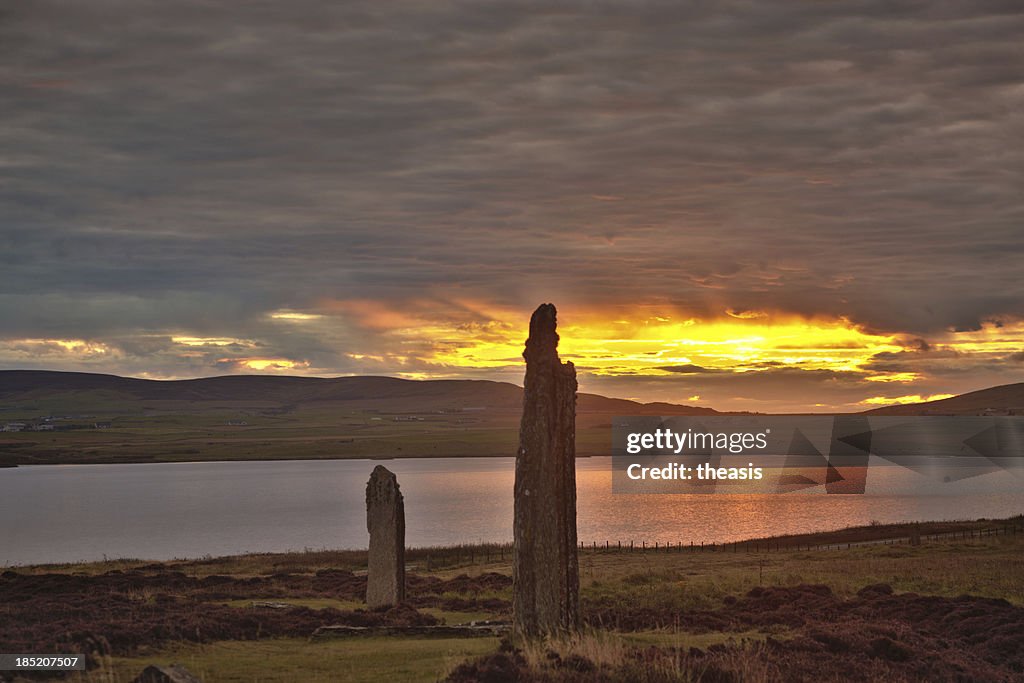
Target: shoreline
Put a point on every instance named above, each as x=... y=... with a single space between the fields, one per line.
x=870 y=534
x=47 y=463
x=249 y=460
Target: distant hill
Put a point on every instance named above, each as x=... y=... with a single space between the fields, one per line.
x=71 y=417
x=1005 y=399
x=97 y=393
x=77 y=391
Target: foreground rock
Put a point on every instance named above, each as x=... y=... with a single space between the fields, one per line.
x=174 y=673
x=385 y=520
x=545 y=570
x=474 y=629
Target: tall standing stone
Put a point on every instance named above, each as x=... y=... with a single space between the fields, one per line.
x=385 y=520
x=545 y=567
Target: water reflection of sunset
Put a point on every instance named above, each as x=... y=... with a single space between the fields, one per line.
x=893 y=494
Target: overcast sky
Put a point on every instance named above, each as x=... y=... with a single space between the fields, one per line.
x=198 y=188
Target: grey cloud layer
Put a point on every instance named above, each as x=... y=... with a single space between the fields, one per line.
x=192 y=165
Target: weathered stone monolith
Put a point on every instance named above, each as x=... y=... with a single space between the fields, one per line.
x=545 y=567
x=385 y=520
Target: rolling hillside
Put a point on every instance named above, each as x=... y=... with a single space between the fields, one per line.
x=87 y=418
x=77 y=392
x=62 y=417
x=1008 y=398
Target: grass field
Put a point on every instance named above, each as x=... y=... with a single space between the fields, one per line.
x=364 y=660
x=657 y=602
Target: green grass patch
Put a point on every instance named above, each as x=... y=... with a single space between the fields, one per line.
x=289 y=660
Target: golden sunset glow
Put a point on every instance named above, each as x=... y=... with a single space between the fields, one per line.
x=728 y=345
x=674 y=356
x=664 y=345
x=77 y=347
x=894 y=377
x=678 y=356
x=900 y=400
x=210 y=341
x=667 y=344
x=293 y=316
x=263 y=364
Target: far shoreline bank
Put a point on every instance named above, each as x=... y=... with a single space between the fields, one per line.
x=870 y=534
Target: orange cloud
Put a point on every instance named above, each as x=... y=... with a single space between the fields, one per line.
x=264 y=364
x=81 y=348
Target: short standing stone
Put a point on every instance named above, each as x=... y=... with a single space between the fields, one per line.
x=545 y=567
x=385 y=520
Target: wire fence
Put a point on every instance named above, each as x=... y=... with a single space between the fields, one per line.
x=789 y=545
x=470 y=554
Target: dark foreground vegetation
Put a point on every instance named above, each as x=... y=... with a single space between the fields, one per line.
x=950 y=609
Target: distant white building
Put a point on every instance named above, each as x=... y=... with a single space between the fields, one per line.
x=14 y=427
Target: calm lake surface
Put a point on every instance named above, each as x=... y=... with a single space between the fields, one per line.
x=161 y=511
